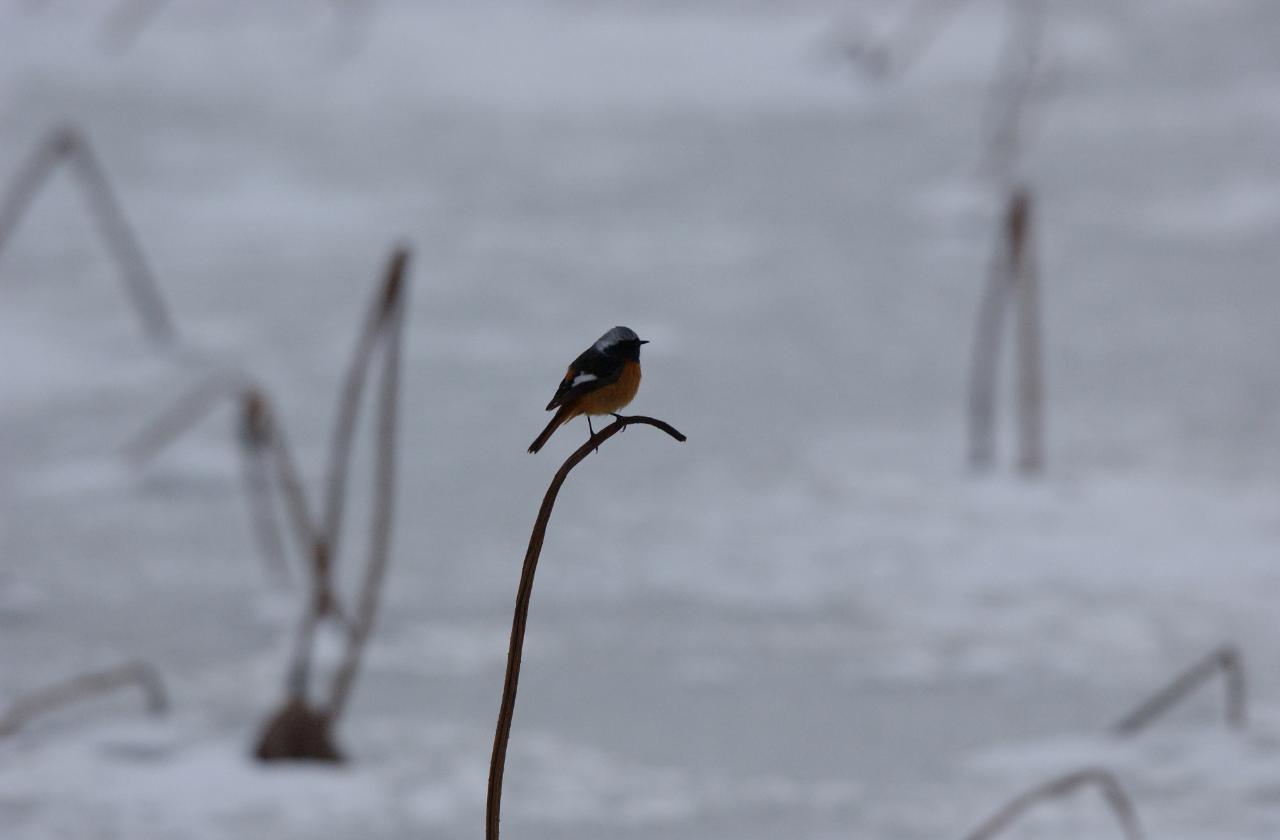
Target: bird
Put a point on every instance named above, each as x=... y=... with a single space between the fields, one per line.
x=603 y=380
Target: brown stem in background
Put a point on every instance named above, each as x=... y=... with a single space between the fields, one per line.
x=1013 y=274
x=264 y=450
x=259 y=488
x=70 y=145
x=506 y=711
x=1226 y=659
x=299 y=730
x=1030 y=356
x=184 y=413
x=87 y=685
x=984 y=366
x=379 y=322
x=393 y=306
x=1103 y=780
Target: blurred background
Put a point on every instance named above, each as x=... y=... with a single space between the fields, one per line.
x=810 y=620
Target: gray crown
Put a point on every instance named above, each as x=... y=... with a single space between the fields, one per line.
x=617 y=335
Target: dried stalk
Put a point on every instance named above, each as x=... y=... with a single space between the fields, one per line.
x=67 y=144
x=506 y=710
x=1030 y=357
x=379 y=322
x=184 y=413
x=384 y=491
x=264 y=450
x=87 y=685
x=1106 y=783
x=1013 y=274
x=986 y=358
x=1226 y=659
x=299 y=730
x=255 y=449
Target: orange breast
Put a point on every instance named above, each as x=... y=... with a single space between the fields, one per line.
x=613 y=397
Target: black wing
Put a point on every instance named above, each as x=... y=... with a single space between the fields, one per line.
x=588 y=372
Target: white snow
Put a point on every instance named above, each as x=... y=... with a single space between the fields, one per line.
x=805 y=622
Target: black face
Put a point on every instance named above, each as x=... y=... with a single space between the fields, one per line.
x=628 y=350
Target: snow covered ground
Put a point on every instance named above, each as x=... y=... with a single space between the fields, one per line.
x=807 y=621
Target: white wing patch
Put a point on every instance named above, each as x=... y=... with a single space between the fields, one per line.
x=582 y=379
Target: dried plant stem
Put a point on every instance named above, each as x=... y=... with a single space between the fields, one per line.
x=87 y=685
x=299 y=730
x=263 y=515
x=70 y=145
x=1030 y=356
x=266 y=462
x=382 y=312
x=1013 y=274
x=1226 y=660
x=384 y=491
x=1103 y=780
x=985 y=363
x=524 y=593
x=184 y=413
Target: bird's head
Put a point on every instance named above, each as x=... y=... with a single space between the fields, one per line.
x=621 y=343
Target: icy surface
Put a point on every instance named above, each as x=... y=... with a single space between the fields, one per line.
x=806 y=621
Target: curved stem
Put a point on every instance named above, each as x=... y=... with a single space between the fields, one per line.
x=361 y=624
x=1106 y=783
x=506 y=711
x=1226 y=659
x=87 y=685
x=378 y=323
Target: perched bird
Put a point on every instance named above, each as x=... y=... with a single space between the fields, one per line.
x=600 y=381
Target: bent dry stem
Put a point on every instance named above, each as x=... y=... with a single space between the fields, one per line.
x=1106 y=783
x=67 y=144
x=92 y=684
x=506 y=711
x=1226 y=659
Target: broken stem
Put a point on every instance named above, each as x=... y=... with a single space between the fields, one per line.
x=1106 y=783
x=1226 y=659
x=87 y=685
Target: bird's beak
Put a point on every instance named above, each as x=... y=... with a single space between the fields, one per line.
x=644 y=341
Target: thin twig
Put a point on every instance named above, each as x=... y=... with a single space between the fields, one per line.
x=393 y=304
x=377 y=323
x=1012 y=274
x=984 y=366
x=1106 y=783
x=259 y=491
x=68 y=144
x=385 y=311
x=1021 y=234
x=184 y=413
x=1226 y=659
x=87 y=685
x=263 y=450
x=506 y=711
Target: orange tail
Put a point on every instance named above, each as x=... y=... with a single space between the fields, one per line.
x=562 y=416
